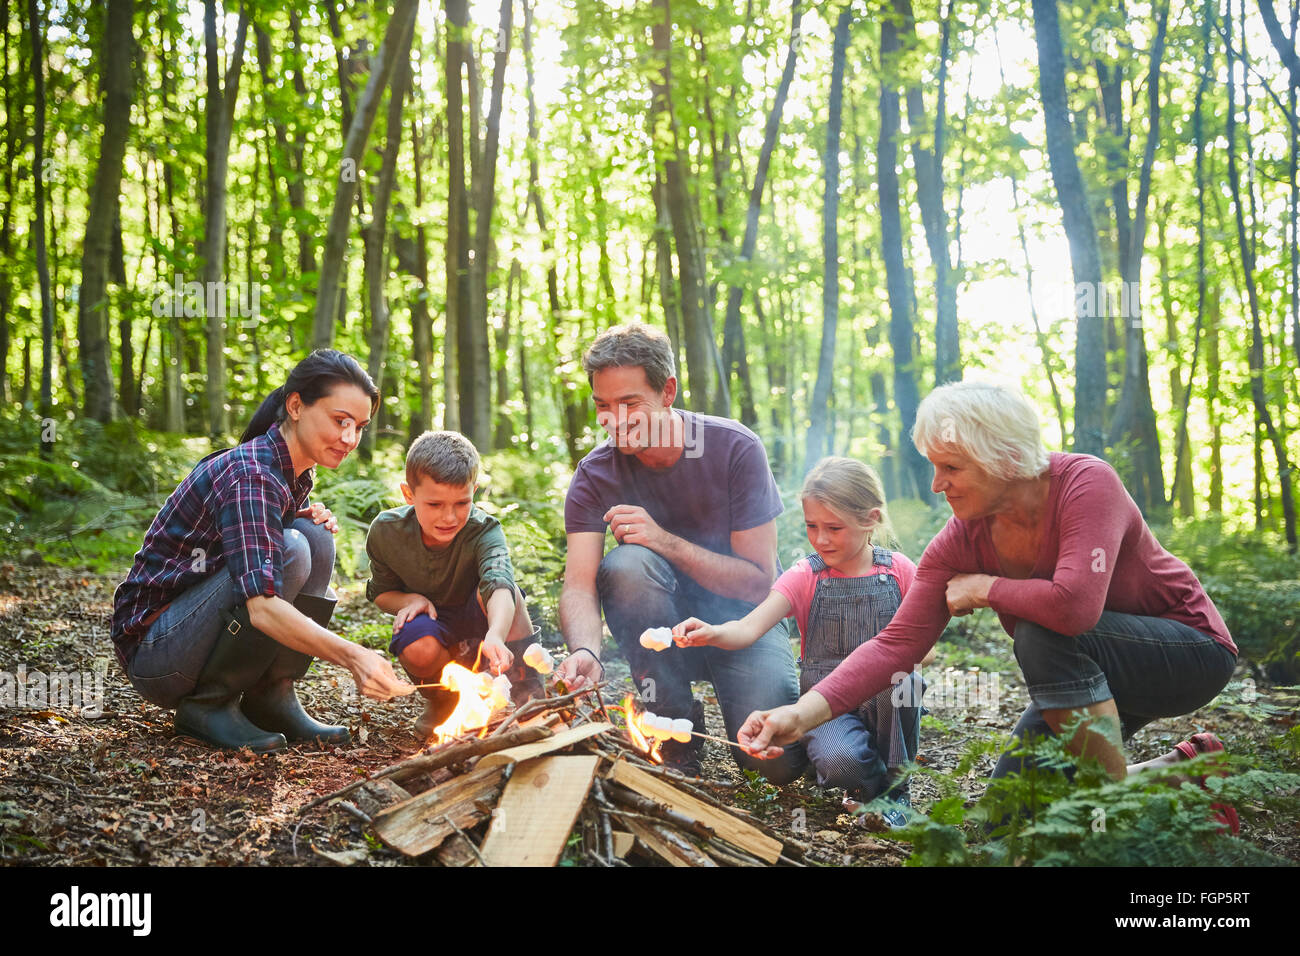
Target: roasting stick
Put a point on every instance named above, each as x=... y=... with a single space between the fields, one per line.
x=721 y=740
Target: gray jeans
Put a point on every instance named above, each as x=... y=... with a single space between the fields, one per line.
x=1151 y=666
x=638 y=590
x=169 y=659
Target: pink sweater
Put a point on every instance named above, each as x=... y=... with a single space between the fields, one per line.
x=1097 y=555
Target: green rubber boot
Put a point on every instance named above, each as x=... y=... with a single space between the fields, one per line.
x=272 y=703
x=211 y=712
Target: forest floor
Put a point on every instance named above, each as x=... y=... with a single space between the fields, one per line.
x=121 y=789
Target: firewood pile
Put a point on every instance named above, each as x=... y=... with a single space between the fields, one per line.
x=556 y=772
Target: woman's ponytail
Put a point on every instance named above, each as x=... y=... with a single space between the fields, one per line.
x=268 y=413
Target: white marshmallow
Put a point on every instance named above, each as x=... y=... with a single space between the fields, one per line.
x=539 y=659
x=657 y=638
x=500 y=692
x=682 y=730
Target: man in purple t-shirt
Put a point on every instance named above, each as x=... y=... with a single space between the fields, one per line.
x=691 y=504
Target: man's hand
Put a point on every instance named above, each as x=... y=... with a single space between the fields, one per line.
x=418 y=604
x=497 y=655
x=318 y=513
x=693 y=632
x=374 y=676
x=633 y=525
x=580 y=669
x=765 y=731
x=966 y=592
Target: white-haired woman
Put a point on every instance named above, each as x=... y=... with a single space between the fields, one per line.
x=1107 y=625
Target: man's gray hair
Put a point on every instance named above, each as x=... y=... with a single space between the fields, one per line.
x=632 y=345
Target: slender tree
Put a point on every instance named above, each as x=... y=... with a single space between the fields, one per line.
x=1263 y=416
x=36 y=29
x=345 y=188
x=219 y=113
x=897 y=282
x=1085 y=259
x=820 y=442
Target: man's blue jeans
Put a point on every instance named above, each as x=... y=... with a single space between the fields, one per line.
x=639 y=589
x=167 y=663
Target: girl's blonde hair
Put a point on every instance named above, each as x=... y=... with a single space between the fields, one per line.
x=850 y=488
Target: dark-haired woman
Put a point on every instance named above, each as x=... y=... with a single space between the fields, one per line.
x=229 y=598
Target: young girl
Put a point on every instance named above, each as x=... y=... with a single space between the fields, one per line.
x=842 y=595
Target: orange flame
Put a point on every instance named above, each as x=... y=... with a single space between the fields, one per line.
x=636 y=731
x=476 y=704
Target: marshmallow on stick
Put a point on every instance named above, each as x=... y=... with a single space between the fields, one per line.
x=657 y=638
x=681 y=730
x=500 y=692
x=539 y=659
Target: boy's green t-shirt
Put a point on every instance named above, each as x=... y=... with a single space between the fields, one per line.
x=400 y=561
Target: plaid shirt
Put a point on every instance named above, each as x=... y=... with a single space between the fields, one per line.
x=229 y=513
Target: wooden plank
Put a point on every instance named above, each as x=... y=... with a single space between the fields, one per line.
x=537 y=810
x=417 y=825
x=375 y=795
x=652 y=842
x=455 y=853
x=727 y=827
x=563 y=738
x=622 y=843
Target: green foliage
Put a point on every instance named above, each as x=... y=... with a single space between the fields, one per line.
x=756 y=794
x=89 y=501
x=1254 y=583
x=1061 y=811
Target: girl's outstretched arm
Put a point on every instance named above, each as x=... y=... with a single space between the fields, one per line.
x=734 y=635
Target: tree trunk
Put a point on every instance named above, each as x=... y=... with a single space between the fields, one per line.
x=906 y=394
x=297 y=192
x=1262 y=414
x=928 y=168
x=501 y=355
x=1085 y=260
x=1133 y=432
x=36 y=30
x=734 y=332
x=457 y=359
x=1285 y=47
x=116 y=59
x=707 y=391
x=819 y=440
x=375 y=234
x=173 y=386
x=13 y=134
x=413 y=258
x=1182 y=451
x=475 y=363
x=220 y=114
x=336 y=236
x=1215 y=499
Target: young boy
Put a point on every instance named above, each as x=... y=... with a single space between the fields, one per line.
x=441 y=567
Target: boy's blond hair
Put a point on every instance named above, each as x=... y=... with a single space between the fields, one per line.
x=448 y=458
x=849 y=488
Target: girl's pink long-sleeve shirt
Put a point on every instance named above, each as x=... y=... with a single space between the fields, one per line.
x=1097 y=554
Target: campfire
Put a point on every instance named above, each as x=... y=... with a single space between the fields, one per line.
x=512 y=787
